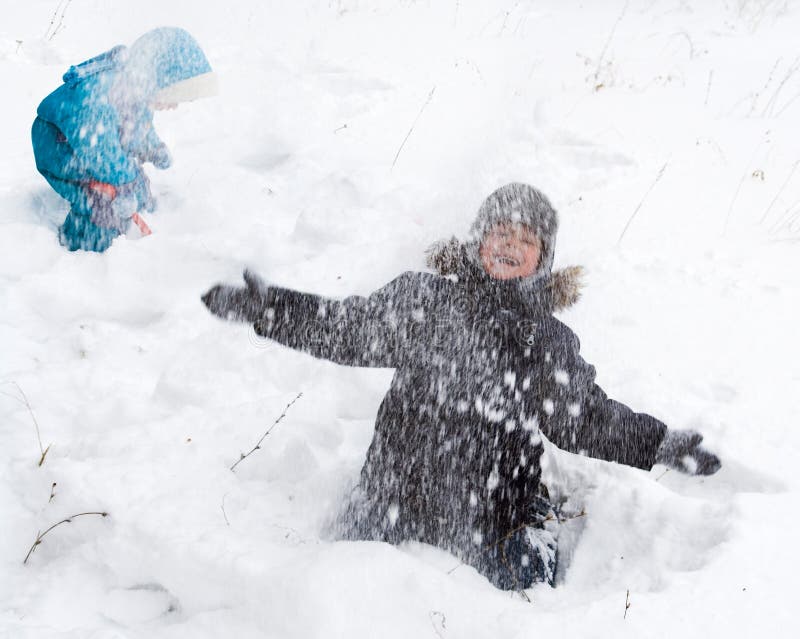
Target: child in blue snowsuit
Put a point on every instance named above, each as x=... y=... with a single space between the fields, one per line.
x=93 y=134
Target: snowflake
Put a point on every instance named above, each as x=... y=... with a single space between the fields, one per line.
x=392 y=513
x=531 y=424
x=562 y=376
x=493 y=480
x=574 y=409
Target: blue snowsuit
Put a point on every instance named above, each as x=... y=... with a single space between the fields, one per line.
x=98 y=128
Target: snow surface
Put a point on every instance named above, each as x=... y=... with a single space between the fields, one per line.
x=677 y=119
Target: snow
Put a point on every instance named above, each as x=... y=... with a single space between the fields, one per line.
x=665 y=134
x=561 y=376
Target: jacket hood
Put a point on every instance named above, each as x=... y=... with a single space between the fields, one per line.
x=165 y=64
x=162 y=58
x=112 y=59
x=555 y=291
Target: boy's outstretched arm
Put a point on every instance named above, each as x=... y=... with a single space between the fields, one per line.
x=355 y=331
x=606 y=429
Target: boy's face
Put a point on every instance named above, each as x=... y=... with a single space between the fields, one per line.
x=510 y=250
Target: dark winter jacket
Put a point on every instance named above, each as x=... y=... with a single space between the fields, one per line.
x=482 y=372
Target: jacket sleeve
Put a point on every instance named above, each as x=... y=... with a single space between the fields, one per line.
x=146 y=142
x=355 y=331
x=98 y=149
x=578 y=416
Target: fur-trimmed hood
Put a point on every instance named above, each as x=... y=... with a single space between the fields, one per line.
x=451 y=258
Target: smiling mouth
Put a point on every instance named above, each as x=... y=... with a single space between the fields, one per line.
x=506 y=260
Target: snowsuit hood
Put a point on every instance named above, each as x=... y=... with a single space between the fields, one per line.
x=158 y=60
x=163 y=59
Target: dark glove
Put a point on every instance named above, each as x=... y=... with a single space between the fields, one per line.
x=161 y=157
x=242 y=304
x=681 y=450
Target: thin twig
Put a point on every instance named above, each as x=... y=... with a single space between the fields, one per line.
x=222 y=506
x=413 y=124
x=513 y=531
x=52 y=20
x=61 y=20
x=434 y=616
x=68 y=520
x=627 y=603
x=505 y=17
x=661 y=476
x=780 y=191
x=787 y=105
x=610 y=38
x=583 y=513
x=58 y=14
x=27 y=405
x=773 y=100
x=274 y=424
x=786 y=220
x=688 y=40
x=765 y=87
x=517 y=586
x=708 y=86
x=52 y=492
x=290 y=531
x=644 y=197
x=739 y=187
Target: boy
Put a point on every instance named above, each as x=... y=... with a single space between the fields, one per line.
x=92 y=134
x=483 y=369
